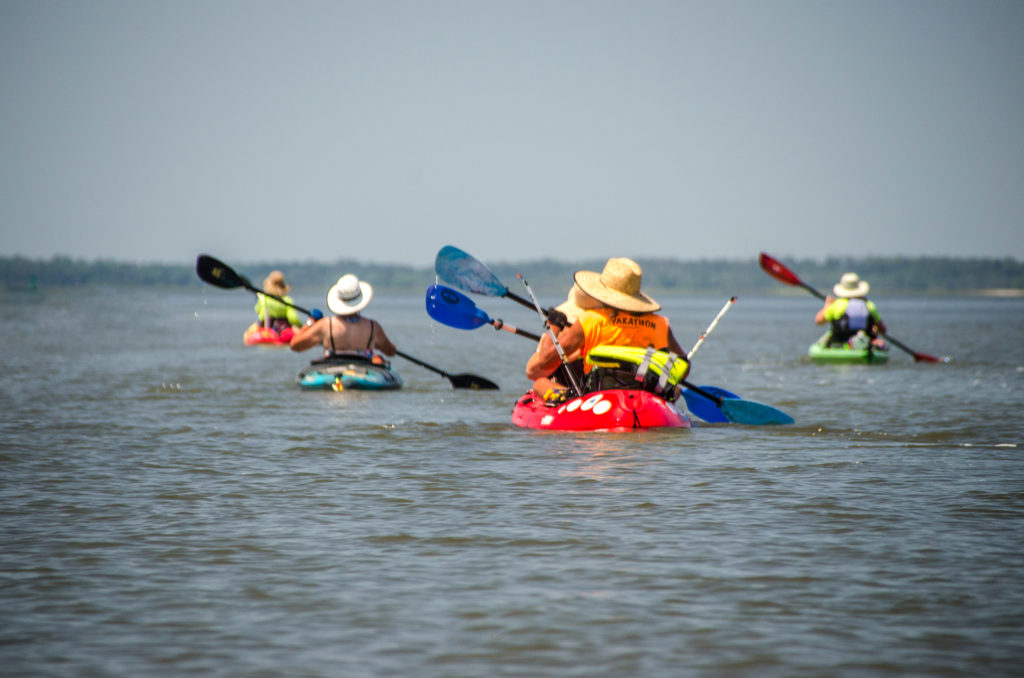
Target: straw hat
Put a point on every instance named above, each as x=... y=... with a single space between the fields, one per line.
x=349 y=295
x=576 y=303
x=618 y=286
x=851 y=286
x=275 y=284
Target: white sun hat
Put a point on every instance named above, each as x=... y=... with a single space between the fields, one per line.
x=851 y=286
x=349 y=295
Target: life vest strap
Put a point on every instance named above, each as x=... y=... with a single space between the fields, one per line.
x=666 y=371
x=645 y=363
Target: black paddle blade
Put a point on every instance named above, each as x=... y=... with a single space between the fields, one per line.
x=472 y=381
x=215 y=272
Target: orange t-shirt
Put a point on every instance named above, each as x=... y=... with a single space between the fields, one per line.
x=607 y=326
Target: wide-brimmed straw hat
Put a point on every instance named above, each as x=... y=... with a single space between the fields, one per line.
x=349 y=295
x=275 y=284
x=851 y=286
x=576 y=303
x=618 y=286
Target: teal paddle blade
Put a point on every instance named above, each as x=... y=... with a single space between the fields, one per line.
x=755 y=414
x=451 y=308
x=462 y=270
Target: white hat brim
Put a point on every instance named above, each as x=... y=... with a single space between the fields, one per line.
x=860 y=291
x=339 y=306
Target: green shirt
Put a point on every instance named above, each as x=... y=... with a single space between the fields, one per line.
x=837 y=309
x=276 y=309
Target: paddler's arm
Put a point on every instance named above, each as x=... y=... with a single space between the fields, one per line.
x=673 y=345
x=820 y=318
x=546 y=360
x=879 y=326
x=381 y=341
x=309 y=335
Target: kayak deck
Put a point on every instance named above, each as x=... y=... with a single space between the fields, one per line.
x=349 y=373
x=257 y=334
x=845 y=355
x=608 y=410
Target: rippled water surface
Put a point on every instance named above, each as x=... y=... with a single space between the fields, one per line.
x=172 y=504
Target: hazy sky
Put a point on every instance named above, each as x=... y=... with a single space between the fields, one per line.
x=515 y=129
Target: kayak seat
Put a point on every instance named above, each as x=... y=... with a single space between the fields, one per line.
x=348 y=358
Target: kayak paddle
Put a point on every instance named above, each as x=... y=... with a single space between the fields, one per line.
x=780 y=272
x=454 y=309
x=464 y=271
x=710 y=403
x=215 y=272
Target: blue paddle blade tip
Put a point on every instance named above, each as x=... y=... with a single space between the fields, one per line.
x=733 y=409
x=462 y=270
x=754 y=414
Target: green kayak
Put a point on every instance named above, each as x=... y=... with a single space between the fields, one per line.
x=845 y=355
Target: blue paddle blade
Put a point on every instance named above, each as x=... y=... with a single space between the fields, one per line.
x=753 y=414
x=460 y=269
x=733 y=410
x=450 y=307
x=707 y=409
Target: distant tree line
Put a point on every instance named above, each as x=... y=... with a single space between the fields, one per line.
x=887 y=275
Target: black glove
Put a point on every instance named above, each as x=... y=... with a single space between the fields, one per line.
x=557 y=318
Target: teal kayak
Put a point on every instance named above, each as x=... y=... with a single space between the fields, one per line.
x=846 y=355
x=341 y=373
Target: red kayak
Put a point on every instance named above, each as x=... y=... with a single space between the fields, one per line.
x=610 y=410
x=257 y=334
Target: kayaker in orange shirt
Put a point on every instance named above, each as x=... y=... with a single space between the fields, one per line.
x=623 y=316
x=347 y=332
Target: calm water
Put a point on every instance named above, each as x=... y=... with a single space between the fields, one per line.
x=171 y=504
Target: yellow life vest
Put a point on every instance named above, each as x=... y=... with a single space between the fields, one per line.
x=635 y=367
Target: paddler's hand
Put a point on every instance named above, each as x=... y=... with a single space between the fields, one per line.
x=557 y=319
x=316 y=314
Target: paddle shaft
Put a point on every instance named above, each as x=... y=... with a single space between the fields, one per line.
x=698 y=390
x=500 y=325
x=421 y=363
x=554 y=339
x=705 y=333
x=525 y=302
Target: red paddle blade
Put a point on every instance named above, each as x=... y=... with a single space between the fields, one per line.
x=925 y=358
x=778 y=270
